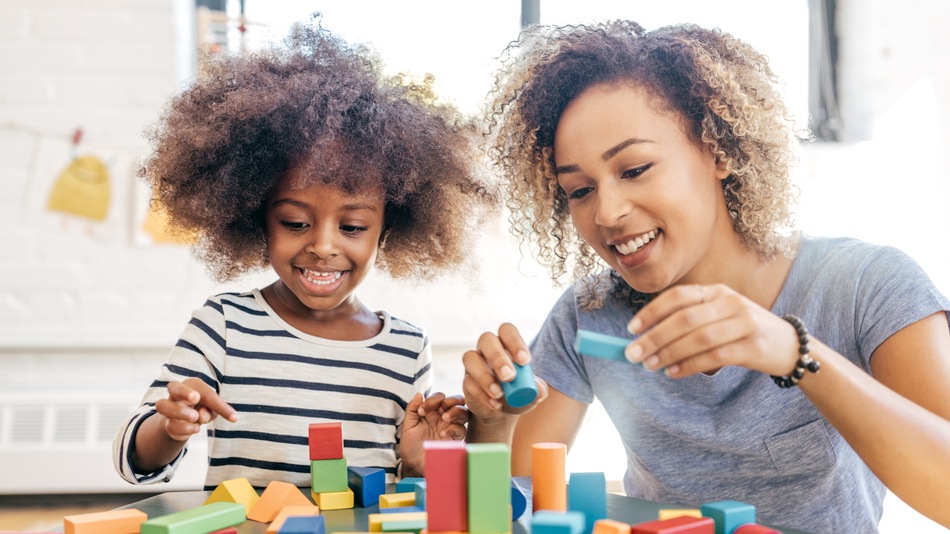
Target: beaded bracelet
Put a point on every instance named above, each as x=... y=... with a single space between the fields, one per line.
x=805 y=361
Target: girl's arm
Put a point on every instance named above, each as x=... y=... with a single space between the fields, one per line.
x=901 y=431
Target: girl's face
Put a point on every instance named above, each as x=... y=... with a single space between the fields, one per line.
x=641 y=193
x=322 y=243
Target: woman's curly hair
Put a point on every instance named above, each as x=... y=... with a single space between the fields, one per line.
x=722 y=88
x=317 y=101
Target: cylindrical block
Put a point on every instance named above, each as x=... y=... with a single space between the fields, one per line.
x=521 y=391
x=548 y=481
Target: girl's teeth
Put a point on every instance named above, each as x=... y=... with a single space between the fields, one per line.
x=333 y=277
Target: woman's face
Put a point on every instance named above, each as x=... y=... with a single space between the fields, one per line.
x=322 y=243
x=640 y=192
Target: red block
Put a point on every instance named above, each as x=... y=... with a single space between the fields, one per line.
x=229 y=530
x=446 y=486
x=752 y=528
x=676 y=525
x=326 y=441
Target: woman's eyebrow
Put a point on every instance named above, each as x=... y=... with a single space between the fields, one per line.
x=611 y=152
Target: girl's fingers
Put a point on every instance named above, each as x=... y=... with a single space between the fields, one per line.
x=458 y=415
x=211 y=400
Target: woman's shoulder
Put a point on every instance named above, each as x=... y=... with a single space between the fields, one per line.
x=840 y=252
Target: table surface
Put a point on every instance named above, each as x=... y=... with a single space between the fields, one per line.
x=619 y=507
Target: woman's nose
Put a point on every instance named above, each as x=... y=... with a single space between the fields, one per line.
x=611 y=205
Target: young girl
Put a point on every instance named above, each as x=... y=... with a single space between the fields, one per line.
x=665 y=155
x=303 y=159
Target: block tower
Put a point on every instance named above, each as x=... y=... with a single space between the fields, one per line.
x=328 y=473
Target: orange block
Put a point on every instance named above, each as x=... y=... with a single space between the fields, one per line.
x=548 y=482
x=609 y=526
x=276 y=496
x=237 y=490
x=288 y=511
x=112 y=522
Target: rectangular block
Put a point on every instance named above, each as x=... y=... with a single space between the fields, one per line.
x=206 y=518
x=395 y=500
x=289 y=511
x=557 y=522
x=446 y=485
x=597 y=345
x=375 y=521
x=670 y=513
x=728 y=515
x=334 y=500
x=367 y=483
x=110 y=522
x=326 y=441
x=587 y=493
x=328 y=476
x=610 y=526
x=489 y=488
x=404 y=526
x=408 y=484
x=401 y=510
x=677 y=525
x=315 y=524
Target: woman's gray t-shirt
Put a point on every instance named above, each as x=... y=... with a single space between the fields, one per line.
x=736 y=435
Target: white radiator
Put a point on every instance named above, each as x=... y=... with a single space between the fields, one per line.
x=59 y=444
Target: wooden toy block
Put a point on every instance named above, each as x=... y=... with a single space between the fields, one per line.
x=206 y=518
x=670 y=513
x=276 y=496
x=752 y=528
x=610 y=526
x=414 y=526
x=587 y=493
x=548 y=483
x=683 y=524
x=394 y=500
x=728 y=515
x=521 y=391
x=314 y=524
x=328 y=476
x=289 y=511
x=557 y=522
x=446 y=485
x=519 y=503
x=374 y=522
x=229 y=530
x=237 y=490
x=400 y=510
x=420 y=491
x=367 y=483
x=489 y=488
x=326 y=441
x=334 y=500
x=599 y=345
x=408 y=484
x=111 y=522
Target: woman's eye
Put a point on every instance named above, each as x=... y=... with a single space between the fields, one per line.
x=580 y=193
x=636 y=171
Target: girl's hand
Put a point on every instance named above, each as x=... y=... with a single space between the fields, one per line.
x=490 y=364
x=691 y=329
x=434 y=418
x=189 y=405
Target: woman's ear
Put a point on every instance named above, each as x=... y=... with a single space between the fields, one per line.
x=723 y=167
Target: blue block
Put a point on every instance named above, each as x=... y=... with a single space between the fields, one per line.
x=587 y=493
x=519 y=503
x=420 y=488
x=550 y=522
x=400 y=509
x=728 y=515
x=408 y=484
x=367 y=483
x=316 y=524
x=521 y=391
x=599 y=345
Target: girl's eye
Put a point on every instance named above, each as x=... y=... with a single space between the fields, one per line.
x=352 y=229
x=292 y=225
x=636 y=171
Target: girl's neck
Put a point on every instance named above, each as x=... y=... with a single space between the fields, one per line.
x=350 y=321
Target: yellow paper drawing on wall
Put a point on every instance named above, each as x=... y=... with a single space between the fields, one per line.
x=157 y=227
x=82 y=189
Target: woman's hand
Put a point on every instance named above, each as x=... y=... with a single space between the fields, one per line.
x=189 y=405
x=488 y=366
x=691 y=329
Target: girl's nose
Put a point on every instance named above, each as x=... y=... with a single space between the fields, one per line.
x=323 y=243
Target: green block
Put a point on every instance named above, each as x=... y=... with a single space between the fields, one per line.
x=489 y=488
x=328 y=476
x=404 y=525
x=200 y=520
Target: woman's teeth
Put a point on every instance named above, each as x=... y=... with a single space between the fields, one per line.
x=631 y=246
x=322 y=279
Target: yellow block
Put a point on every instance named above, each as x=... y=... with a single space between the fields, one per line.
x=397 y=500
x=288 y=511
x=333 y=500
x=670 y=513
x=237 y=490
x=375 y=521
